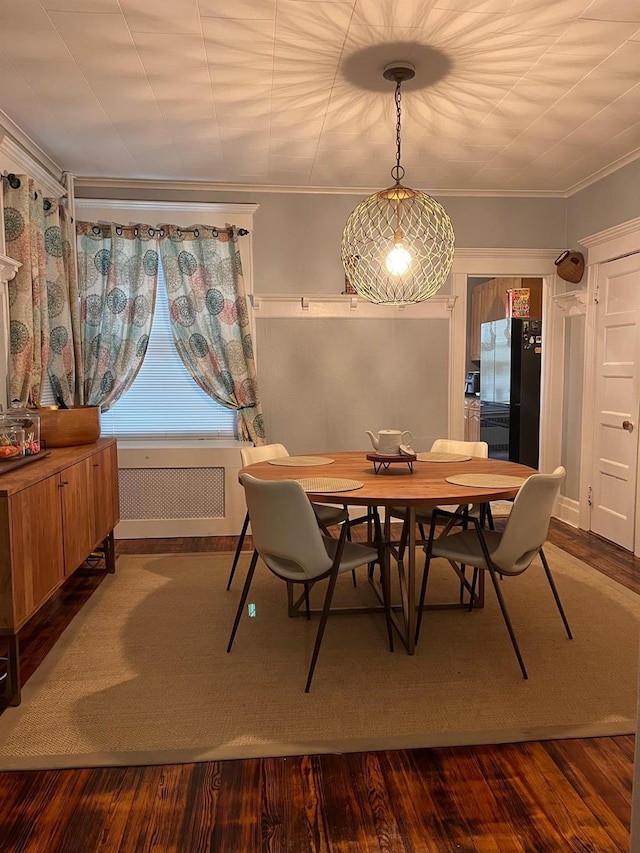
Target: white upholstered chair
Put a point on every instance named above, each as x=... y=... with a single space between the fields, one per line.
x=508 y=553
x=325 y=515
x=287 y=538
x=423 y=516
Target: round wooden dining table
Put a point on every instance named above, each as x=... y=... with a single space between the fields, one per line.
x=397 y=486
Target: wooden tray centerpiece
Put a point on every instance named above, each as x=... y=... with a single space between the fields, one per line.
x=382 y=462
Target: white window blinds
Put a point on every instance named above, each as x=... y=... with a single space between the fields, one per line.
x=164 y=401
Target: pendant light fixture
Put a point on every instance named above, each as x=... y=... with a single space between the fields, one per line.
x=398 y=244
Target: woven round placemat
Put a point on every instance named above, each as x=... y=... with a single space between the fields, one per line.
x=436 y=456
x=489 y=481
x=326 y=484
x=301 y=461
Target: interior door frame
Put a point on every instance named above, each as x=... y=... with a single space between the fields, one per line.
x=525 y=263
x=603 y=246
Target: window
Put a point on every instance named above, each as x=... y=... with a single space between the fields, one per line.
x=164 y=401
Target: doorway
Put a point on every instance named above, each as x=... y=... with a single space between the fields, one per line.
x=504 y=354
x=519 y=263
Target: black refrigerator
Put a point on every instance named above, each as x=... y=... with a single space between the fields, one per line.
x=510 y=358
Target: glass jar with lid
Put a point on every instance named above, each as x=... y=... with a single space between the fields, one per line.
x=29 y=421
x=12 y=439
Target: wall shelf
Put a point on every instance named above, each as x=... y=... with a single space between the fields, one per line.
x=284 y=305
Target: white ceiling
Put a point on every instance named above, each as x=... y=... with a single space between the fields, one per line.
x=540 y=95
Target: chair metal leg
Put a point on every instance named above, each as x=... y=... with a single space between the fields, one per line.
x=326 y=532
x=333 y=577
x=238 y=550
x=486 y=517
x=323 y=621
x=474 y=581
x=307 y=605
x=354 y=579
x=243 y=597
x=507 y=620
x=555 y=593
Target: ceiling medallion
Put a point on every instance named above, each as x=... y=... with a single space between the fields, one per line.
x=398 y=244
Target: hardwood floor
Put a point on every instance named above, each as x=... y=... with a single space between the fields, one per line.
x=571 y=795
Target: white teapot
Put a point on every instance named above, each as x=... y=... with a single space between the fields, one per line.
x=389 y=440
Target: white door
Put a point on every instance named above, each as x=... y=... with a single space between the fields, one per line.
x=617 y=392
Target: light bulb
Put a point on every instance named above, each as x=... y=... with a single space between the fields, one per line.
x=398 y=260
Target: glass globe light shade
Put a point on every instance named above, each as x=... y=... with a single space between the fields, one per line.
x=375 y=260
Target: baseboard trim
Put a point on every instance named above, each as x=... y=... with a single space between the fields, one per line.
x=568 y=511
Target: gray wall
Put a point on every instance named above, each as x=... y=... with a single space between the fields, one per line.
x=608 y=202
x=297 y=235
x=325 y=381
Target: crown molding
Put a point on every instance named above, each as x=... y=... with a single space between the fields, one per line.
x=602 y=173
x=32 y=166
x=613 y=242
x=632 y=226
x=8 y=267
x=31 y=147
x=209 y=186
x=188 y=206
x=335 y=306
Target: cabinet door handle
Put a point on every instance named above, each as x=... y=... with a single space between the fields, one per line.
x=63 y=483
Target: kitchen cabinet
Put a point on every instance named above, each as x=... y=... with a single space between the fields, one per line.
x=488 y=303
x=472 y=419
x=53 y=513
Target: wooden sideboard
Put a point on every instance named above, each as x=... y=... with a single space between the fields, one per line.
x=53 y=513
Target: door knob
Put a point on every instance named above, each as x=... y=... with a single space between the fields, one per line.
x=627 y=425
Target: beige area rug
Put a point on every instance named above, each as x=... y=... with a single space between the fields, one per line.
x=141 y=675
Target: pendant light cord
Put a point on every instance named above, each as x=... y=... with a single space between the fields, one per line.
x=397 y=173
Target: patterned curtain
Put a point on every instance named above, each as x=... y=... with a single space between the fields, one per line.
x=65 y=363
x=28 y=316
x=209 y=318
x=118 y=273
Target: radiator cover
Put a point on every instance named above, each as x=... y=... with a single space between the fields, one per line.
x=171 y=493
